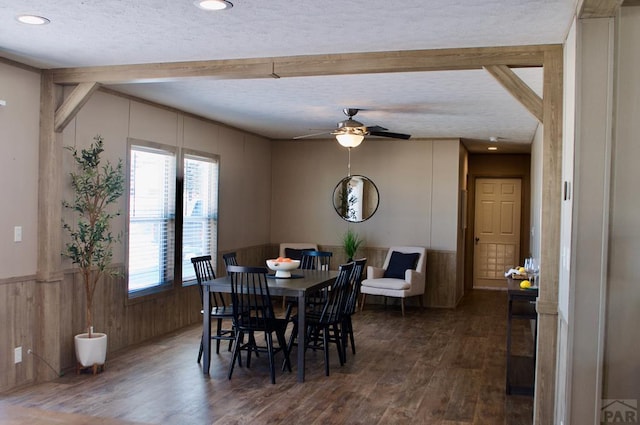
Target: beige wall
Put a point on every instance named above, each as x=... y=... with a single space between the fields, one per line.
x=417 y=181
x=600 y=335
x=19 y=127
x=621 y=359
x=245 y=165
x=245 y=176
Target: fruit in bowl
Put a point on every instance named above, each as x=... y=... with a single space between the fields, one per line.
x=283 y=266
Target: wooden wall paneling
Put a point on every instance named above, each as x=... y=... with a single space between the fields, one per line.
x=441 y=279
x=71 y=316
x=17 y=314
x=8 y=373
x=7 y=343
x=440 y=290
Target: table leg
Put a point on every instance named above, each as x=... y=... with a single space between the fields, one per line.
x=302 y=332
x=206 y=332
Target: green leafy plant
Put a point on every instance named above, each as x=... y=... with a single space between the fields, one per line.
x=95 y=188
x=351 y=242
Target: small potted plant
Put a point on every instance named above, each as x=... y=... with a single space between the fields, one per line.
x=96 y=186
x=351 y=242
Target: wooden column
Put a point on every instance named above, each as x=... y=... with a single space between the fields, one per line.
x=547 y=305
x=49 y=276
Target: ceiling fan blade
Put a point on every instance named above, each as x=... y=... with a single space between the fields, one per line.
x=376 y=128
x=312 y=135
x=390 y=134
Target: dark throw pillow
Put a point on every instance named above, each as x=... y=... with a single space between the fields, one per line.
x=401 y=262
x=296 y=254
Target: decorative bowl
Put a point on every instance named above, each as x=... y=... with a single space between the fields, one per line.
x=283 y=267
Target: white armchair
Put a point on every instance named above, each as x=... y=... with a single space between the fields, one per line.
x=402 y=276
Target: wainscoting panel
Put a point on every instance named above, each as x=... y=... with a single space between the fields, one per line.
x=17 y=329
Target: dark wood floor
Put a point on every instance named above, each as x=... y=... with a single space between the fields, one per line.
x=443 y=367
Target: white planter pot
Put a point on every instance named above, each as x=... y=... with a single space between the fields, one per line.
x=91 y=351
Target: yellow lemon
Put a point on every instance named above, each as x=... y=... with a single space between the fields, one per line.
x=521 y=270
x=525 y=284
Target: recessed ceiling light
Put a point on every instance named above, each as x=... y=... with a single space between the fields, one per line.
x=492 y=148
x=213 y=4
x=32 y=19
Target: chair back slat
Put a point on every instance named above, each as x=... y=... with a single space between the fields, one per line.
x=355 y=281
x=204 y=271
x=316 y=260
x=252 y=307
x=334 y=305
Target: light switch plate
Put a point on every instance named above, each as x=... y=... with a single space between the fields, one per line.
x=17 y=234
x=17 y=355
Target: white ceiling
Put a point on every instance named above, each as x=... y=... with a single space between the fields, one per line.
x=461 y=104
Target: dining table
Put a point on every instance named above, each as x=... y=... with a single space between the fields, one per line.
x=300 y=285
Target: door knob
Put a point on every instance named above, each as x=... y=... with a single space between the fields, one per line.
x=477 y=240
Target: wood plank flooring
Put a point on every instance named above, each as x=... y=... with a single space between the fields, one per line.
x=442 y=367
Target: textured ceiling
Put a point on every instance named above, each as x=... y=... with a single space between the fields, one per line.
x=460 y=104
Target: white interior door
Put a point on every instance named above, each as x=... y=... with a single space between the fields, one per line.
x=497 y=230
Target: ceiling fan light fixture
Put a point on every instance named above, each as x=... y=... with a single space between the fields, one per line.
x=349 y=140
x=213 y=4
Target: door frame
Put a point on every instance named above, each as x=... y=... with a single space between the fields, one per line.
x=516 y=166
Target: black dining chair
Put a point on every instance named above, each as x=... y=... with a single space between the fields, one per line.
x=323 y=320
x=253 y=312
x=219 y=309
x=351 y=305
x=230 y=259
x=316 y=260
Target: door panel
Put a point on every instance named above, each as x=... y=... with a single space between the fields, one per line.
x=497 y=230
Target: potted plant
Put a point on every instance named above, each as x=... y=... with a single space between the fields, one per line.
x=351 y=242
x=96 y=186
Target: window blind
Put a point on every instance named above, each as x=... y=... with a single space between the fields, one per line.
x=151 y=237
x=200 y=211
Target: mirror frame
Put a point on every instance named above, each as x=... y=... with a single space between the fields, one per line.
x=339 y=204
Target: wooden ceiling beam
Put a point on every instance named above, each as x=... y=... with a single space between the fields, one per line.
x=598 y=8
x=72 y=104
x=311 y=65
x=518 y=89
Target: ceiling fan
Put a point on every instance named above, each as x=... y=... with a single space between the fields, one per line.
x=350 y=132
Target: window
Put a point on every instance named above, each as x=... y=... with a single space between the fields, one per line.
x=200 y=210
x=152 y=200
x=156 y=187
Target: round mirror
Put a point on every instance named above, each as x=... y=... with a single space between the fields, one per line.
x=355 y=198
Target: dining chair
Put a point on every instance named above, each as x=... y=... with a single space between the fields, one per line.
x=316 y=260
x=351 y=304
x=219 y=308
x=230 y=259
x=323 y=320
x=253 y=312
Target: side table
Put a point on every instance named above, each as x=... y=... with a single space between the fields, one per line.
x=521 y=369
